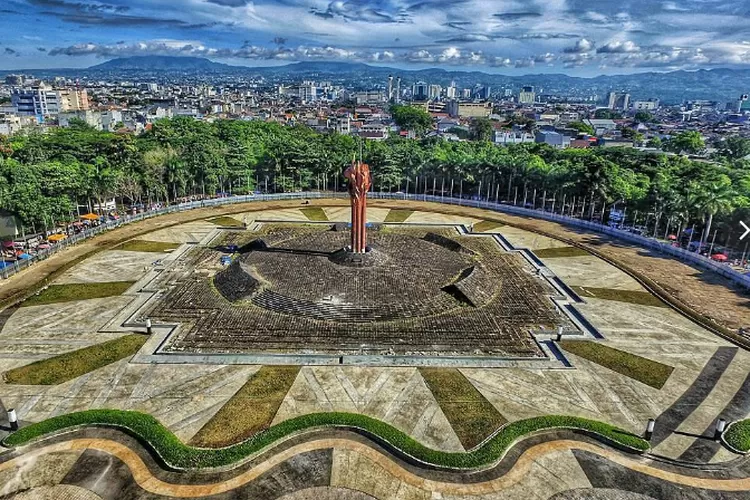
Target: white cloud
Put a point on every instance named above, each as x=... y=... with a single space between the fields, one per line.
x=581 y=46
x=618 y=47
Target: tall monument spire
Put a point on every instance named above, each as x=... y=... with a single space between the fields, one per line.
x=358 y=174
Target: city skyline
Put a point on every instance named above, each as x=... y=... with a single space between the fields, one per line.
x=568 y=36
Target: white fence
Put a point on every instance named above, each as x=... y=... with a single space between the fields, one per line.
x=649 y=243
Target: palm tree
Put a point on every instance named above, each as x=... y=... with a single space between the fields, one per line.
x=717 y=197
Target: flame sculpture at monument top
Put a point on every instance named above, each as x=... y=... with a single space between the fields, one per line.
x=358 y=174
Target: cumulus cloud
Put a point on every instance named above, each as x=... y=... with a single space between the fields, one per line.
x=581 y=46
x=618 y=47
x=562 y=33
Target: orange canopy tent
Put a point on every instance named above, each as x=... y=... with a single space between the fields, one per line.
x=90 y=216
x=56 y=237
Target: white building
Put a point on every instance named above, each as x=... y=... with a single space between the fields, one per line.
x=370 y=97
x=527 y=95
x=649 y=105
x=506 y=137
x=91 y=118
x=618 y=100
x=40 y=100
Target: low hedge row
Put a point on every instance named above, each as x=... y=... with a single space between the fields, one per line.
x=738 y=435
x=179 y=455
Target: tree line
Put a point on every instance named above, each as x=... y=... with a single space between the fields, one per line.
x=44 y=178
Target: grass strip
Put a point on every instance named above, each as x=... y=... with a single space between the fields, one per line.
x=396 y=215
x=67 y=366
x=180 y=455
x=77 y=291
x=486 y=225
x=642 y=369
x=225 y=221
x=148 y=246
x=638 y=297
x=250 y=410
x=316 y=214
x=472 y=417
x=551 y=253
x=738 y=435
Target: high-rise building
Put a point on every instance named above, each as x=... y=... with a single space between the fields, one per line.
x=465 y=93
x=527 y=95
x=450 y=92
x=73 y=100
x=482 y=93
x=618 y=100
x=389 y=94
x=39 y=100
x=308 y=91
x=420 y=91
x=434 y=91
x=649 y=105
x=397 y=97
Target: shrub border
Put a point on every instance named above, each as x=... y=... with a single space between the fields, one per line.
x=180 y=456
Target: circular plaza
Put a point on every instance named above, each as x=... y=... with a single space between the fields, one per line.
x=469 y=324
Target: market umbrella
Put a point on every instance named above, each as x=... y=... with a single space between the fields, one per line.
x=672 y=237
x=8 y=244
x=719 y=257
x=43 y=246
x=24 y=256
x=90 y=216
x=56 y=237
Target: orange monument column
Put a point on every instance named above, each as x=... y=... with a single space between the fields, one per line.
x=358 y=174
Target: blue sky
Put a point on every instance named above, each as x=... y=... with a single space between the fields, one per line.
x=581 y=37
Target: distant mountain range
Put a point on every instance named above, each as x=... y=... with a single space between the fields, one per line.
x=671 y=87
x=161 y=63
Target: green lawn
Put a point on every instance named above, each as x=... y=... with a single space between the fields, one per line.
x=177 y=454
x=77 y=291
x=316 y=214
x=73 y=364
x=551 y=253
x=472 y=417
x=738 y=435
x=225 y=221
x=250 y=410
x=639 y=297
x=148 y=246
x=636 y=367
x=396 y=215
x=486 y=225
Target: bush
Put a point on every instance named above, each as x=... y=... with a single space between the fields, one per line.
x=179 y=455
x=738 y=435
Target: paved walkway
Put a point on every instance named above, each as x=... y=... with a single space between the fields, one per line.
x=711 y=377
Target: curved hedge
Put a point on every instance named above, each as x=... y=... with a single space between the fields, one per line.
x=738 y=435
x=179 y=455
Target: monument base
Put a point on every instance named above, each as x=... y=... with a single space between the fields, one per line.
x=369 y=258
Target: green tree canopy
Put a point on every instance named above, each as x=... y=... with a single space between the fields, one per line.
x=411 y=118
x=688 y=142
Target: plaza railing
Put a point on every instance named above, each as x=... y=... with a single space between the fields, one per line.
x=643 y=241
